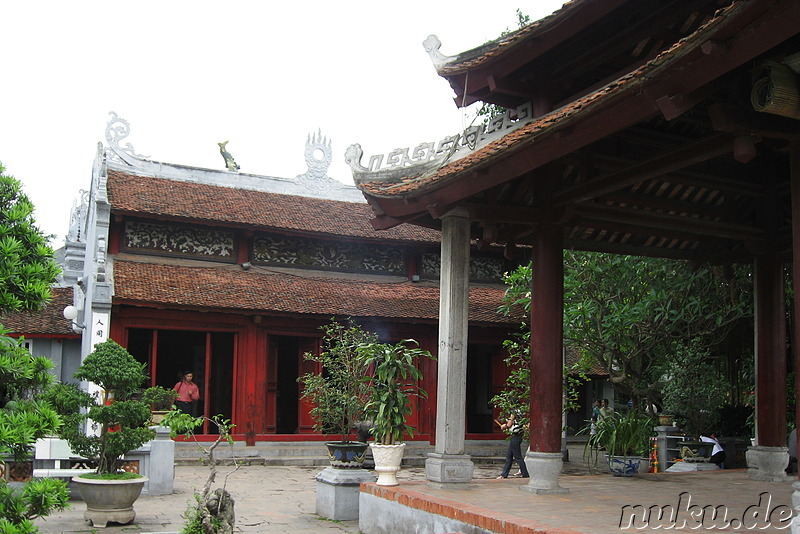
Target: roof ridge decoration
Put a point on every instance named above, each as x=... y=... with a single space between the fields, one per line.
x=428 y=156
x=432 y=46
x=117 y=130
x=318 y=156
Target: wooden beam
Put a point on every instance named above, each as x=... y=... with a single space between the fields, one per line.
x=675 y=160
x=511 y=87
x=650 y=223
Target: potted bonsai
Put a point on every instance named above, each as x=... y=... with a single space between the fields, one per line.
x=625 y=438
x=338 y=393
x=161 y=401
x=105 y=426
x=395 y=381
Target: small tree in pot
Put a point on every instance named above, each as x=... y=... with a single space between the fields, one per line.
x=161 y=401
x=118 y=424
x=339 y=393
x=395 y=381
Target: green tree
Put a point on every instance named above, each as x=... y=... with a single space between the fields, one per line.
x=27 y=270
x=27 y=266
x=630 y=315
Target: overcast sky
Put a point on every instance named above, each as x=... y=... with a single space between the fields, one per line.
x=188 y=74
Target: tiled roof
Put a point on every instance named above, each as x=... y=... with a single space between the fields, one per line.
x=247 y=208
x=480 y=55
x=417 y=183
x=231 y=288
x=47 y=321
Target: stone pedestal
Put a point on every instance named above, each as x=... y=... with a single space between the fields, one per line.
x=338 y=492
x=767 y=464
x=161 y=470
x=544 y=468
x=448 y=468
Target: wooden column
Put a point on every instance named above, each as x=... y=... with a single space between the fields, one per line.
x=770 y=325
x=795 y=191
x=547 y=310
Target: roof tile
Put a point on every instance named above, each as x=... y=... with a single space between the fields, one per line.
x=47 y=321
x=231 y=288
x=254 y=209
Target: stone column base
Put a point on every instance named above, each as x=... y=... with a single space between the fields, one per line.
x=338 y=492
x=448 y=468
x=767 y=464
x=544 y=469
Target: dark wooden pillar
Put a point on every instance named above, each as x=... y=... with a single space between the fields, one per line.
x=795 y=183
x=770 y=325
x=547 y=310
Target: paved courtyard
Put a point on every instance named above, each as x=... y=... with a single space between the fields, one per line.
x=283 y=499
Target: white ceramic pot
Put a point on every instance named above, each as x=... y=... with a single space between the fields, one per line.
x=387 y=462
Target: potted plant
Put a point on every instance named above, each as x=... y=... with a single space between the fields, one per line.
x=395 y=380
x=624 y=438
x=161 y=401
x=339 y=392
x=104 y=427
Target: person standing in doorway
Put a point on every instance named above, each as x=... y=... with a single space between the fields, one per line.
x=188 y=392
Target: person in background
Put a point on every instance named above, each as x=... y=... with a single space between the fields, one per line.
x=188 y=392
x=605 y=410
x=717 y=452
x=595 y=417
x=514 y=450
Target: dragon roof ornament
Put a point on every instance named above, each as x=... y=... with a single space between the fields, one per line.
x=432 y=46
x=402 y=162
x=117 y=130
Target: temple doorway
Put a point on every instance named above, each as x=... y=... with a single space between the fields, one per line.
x=208 y=355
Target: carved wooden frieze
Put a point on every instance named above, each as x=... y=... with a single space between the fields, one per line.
x=327 y=254
x=179 y=240
x=481 y=268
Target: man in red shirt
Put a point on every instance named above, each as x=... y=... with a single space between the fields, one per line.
x=188 y=392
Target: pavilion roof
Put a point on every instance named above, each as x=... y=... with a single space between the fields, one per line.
x=48 y=321
x=195 y=202
x=229 y=288
x=667 y=159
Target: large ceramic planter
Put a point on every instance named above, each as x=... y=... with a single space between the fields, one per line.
x=109 y=501
x=387 y=462
x=624 y=466
x=348 y=455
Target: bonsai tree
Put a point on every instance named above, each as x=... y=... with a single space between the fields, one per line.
x=119 y=421
x=160 y=398
x=395 y=381
x=339 y=394
x=620 y=435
